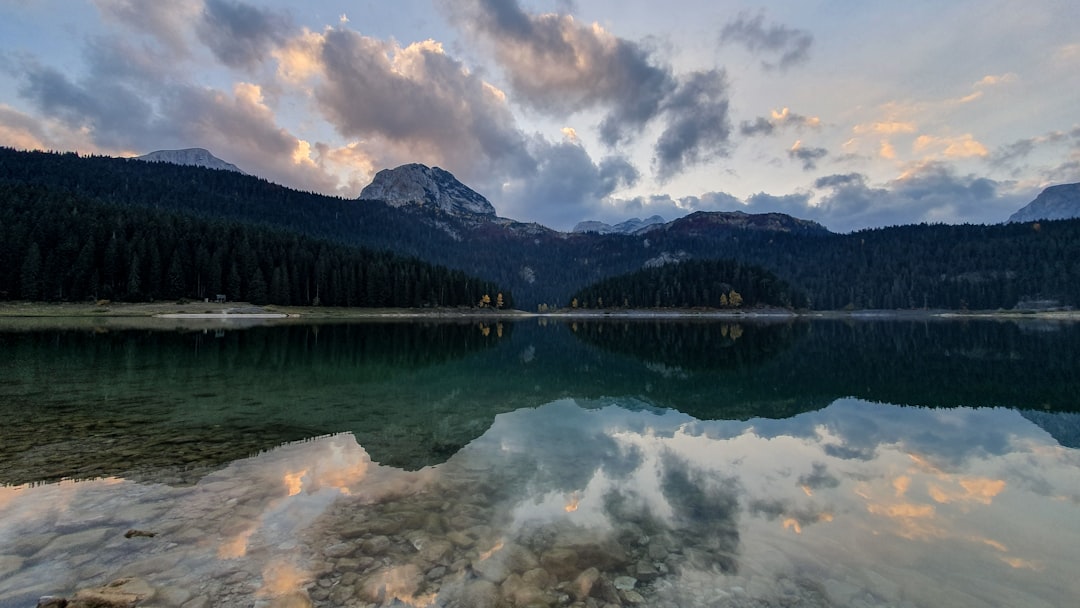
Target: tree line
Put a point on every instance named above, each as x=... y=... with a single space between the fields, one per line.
x=899 y=267
x=57 y=246
x=723 y=284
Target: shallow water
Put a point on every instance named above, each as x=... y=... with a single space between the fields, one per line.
x=689 y=465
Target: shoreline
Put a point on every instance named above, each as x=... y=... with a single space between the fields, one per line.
x=232 y=313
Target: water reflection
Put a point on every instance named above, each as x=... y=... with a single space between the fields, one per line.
x=855 y=504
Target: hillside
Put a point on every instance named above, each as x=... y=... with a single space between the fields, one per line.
x=1059 y=202
x=56 y=246
x=936 y=266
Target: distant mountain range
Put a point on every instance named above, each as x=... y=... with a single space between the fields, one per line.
x=194 y=157
x=630 y=226
x=1060 y=202
x=427 y=214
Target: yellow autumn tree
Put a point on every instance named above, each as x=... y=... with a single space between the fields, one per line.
x=485 y=301
x=498 y=301
x=734 y=299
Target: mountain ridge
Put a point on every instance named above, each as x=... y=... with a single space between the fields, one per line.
x=1060 y=202
x=418 y=185
x=192 y=157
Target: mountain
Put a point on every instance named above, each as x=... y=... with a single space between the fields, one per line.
x=630 y=226
x=1059 y=202
x=194 y=157
x=702 y=223
x=900 y=267
x=426 y=187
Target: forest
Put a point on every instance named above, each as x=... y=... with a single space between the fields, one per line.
x=55 y=246
x=984 y=267
x=723 y=284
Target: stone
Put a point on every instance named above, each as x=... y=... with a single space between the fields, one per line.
x=437 y=552
x=480 y=594
x=609 y=593
x=584 y=583
x=341 y=594
x=436 y=573
x=375 y=546
x=296 y=599
x=538 y=577
x=645 y=572
x=172 y=596
x=633 y=597
x=121 y=593
x=339 y=550
x=561 y=563
x=460 y=539
x=51 y=601
x=199 y=602
x=657 y=551
x=387 y=583
x=625 y=583
x=10 y=564
x=76 y=540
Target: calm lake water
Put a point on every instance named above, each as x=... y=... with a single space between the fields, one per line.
x=541 y=463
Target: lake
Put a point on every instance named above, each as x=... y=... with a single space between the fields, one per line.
x=544 y=463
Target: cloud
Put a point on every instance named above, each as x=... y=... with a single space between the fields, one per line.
x=1013 y=152
x=560 y=66
x=962 y=146
x=167 y=22
x=808 y=156
x=698 y=127
x=420 y=100
x=778 y=119
x=792 y=45
x=21 y=131
x=567 y=185
x=759 y=126
x=889 y=127
x=241 y=35
x=927 y=192
x=557 y=65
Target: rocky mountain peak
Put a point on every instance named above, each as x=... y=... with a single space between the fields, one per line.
x=197 y=157
x=1059 y=202
x=429 y=187
x=630 y=226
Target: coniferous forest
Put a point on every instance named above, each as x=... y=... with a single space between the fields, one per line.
x=152 y=230
x=724 y=284
x=61 y=247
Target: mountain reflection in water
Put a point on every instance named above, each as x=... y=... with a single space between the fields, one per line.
x=855 y=504
x=670 y=464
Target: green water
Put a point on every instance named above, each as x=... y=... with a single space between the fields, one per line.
x=908 y=463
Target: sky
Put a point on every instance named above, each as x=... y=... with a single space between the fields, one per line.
x=853 y=114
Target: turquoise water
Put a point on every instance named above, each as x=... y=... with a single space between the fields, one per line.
x=538 y=463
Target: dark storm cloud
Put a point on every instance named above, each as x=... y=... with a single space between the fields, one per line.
x=698 y=128
x=420 y=98
x=241 y=35
x=559 y=66
x=808 y=156
x=791 y=45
